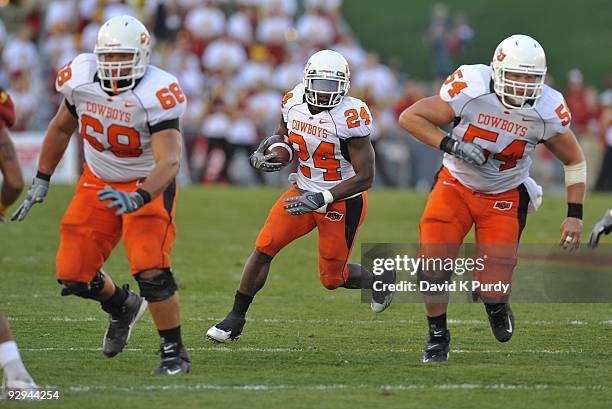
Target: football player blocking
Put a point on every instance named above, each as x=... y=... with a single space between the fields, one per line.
x=500 y=113
x=329 y=132
x=128 y=113
x=15 y=375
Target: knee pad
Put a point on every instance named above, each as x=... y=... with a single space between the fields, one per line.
x=158 y=288
x=84 y=290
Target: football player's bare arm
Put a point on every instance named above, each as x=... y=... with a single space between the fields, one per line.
x=56 y=141
x=12 y=183
x=166 y=146
x=362 y=158
x=423 y=118
x=282 y=127
x=567 y=149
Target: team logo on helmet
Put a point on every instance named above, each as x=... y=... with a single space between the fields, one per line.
x=3 y=97
x=500 y=55
x=502 y=205
x=144 y=38
x=334 y=216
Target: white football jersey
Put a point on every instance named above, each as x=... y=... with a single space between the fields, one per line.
x=117 y=129
x=319 y=140
x=509 y=136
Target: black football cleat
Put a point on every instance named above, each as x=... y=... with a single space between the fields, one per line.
x=120 y=325
x=437 y=347
x=174 y=359
x=501 y=320
x=228 y=329
x=381 y=300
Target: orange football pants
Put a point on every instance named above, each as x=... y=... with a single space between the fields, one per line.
x=89 y=231
x=338 y=228
x=499 y=220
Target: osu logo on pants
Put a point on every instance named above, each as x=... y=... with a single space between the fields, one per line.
x=502 y=205
x=334 y=216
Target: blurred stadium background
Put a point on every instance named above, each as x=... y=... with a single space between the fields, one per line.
x=304 y=346
x=236 y=59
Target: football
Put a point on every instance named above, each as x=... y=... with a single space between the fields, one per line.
x=280 y=144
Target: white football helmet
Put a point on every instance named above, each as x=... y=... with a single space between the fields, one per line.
x=122 y=34
x=326 y=79
x=518 y=54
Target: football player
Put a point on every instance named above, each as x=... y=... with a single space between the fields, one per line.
x=500 y=113
x=329 y=132
x=603 y=226
x=12 y=179
x=127 y=112
x=16 y=376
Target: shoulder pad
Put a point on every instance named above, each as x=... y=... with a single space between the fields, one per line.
x=81 y=70
x=292 y=98
x=353 y=118
x=161 y=96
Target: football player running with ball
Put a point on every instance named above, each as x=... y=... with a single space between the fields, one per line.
x=500 y=113
x=329 y=132
x=127 y=112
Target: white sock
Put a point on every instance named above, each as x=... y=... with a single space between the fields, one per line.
x=10 y=361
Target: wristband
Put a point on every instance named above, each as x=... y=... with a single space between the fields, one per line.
x=146 y=196
x=43 y=176
x=446 y=144
x=574 y=210
x=327 y=196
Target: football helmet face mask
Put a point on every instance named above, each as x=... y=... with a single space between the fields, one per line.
x=515 y=58
x=123 y=51
x=326 y=79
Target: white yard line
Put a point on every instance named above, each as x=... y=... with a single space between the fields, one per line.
x=314 y=349
x=324 y=387
x=318 y=321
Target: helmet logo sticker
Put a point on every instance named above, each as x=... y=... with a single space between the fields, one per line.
x=500 y=55
x=144 y=38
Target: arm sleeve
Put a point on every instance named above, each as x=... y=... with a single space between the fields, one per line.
x=167 y=124
x=71 y=108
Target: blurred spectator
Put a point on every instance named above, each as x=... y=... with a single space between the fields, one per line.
x=20 y=53
x=215 y=128
x=445 y=39
x=205 y=23
x=376 y=80
x=240 y=24
x=224 y=54
x=583 y=103
x=352 y=51
x=25 y=98
x=271 y=32
x=242 y=137
x=256 y=70
x=288 y=74
x=604 y=179
x=285 y=7
x=436 y=38
x=330 y=7
x=315 y=29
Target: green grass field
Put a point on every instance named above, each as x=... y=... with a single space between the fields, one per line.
x=303 y=346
